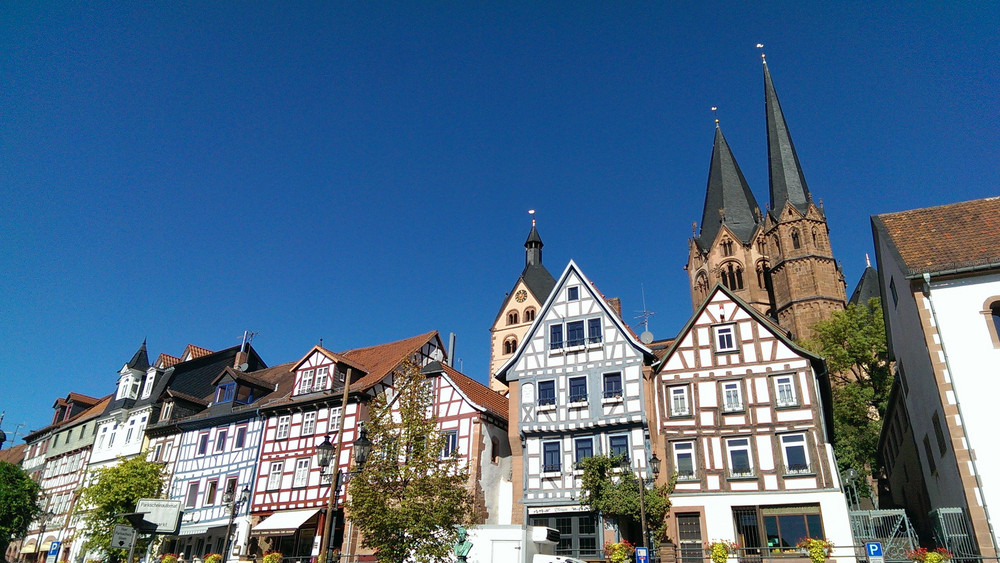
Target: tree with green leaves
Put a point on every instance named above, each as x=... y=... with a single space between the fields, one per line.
x=854 y=344
x=114 y=490
x=614 y=493
x=18 y=503
x=409 y=499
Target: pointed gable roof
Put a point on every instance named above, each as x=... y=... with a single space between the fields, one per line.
x=728 y=199
x=332 y=355
x=571 y=269
x=381 y=359
x=480 y=396
x=139 y=361
x=788 y=184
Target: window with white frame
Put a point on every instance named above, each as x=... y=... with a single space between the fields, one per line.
x=450 y=443
x=241 y=437
x=192 y=495
x=320 y=383
x=725 y=338
x=166 y=451
x=551 y=457
x=680 y=402
x=684 y=460
x=274 y=475
x=795 y=453
x=301 y=473
x=784 y=391
x=578 y=333
x=147 y=388
x=309 y=424
x=618 y=445
x=306 y=381
x=157 y=450
x=573 y=293
x=168 y=408
x=220 y=440
x=202 y=443
x=740 y=460
x=283 y=424
x=578 y=389
x=732 y=397
x=575 y=334
x=211 y=490
x=334 y=421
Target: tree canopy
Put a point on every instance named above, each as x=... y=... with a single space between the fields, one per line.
x=18 y=503
x=615 y=494
x=409 y=498
x=854 y=344
x=115 y=490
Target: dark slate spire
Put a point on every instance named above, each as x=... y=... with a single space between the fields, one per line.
x=533 y=247
x=728 y=199
x=867 y=286
x=787 y=182
x=140 y=360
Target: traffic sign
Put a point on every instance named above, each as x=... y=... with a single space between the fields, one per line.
x=641 y=555
x=123 y=537
x=874 y=551
x=53 y=552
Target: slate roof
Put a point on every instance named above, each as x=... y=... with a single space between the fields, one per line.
x=139 y=360
x=478 y=393
x=944 y=239
x=786 y=178
x=867 y=287
x=727 y=190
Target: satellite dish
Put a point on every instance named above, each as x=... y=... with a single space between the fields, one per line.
x=244 y=366
x=646 y=337
x=437 y=355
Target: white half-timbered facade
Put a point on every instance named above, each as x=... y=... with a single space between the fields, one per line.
x=576 y=390
x=291 y=490
x=743 y=420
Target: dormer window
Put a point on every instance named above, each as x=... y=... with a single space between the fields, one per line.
x=166 y=411
x=147 y=389
x=573 y=294
x=128 y=387
x=225 y=392
x=305 y=381
x=320 y=383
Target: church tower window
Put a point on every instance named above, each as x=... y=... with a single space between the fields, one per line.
x=512 y=318
x=732 y=276
x=777 y=244
x=761 y=273
x=509 y=345
x=529 y=315
x=796 y=243
x=727 y=247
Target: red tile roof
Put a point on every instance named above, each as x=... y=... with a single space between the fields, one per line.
x=947 y=237
x=13 y=454
x=381 y=359
x=478 y=393
x=195 y=351
x=166 y=360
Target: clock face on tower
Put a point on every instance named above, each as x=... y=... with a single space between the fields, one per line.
x=521 y=296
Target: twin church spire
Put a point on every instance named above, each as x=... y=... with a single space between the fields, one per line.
x=779 y=262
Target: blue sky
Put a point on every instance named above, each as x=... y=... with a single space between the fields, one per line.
x=362 y=172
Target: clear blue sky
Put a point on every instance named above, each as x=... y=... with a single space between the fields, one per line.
x=362 y=172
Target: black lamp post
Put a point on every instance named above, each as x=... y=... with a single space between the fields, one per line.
x=324 y=456
x=654 y=465
x=234 y=503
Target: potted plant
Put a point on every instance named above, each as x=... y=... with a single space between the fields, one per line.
x=212 y=558
x=719 y=550
x=168 y=558
x=817 y=549
x=619 y=552
x=272 y=557
x=924 y=555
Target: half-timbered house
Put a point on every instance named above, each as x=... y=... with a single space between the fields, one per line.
x=291 y=491
x=576 y=390
x=744 y=418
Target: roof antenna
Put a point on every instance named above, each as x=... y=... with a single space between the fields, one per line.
x=646 y=337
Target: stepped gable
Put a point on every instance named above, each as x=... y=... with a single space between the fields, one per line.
x=957 y=236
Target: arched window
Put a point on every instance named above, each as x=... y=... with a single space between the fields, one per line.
x=509 y=345
x=796 y=243
x=777 y=244
x=732 y=276
x=727 y=247
x=529 y=315
x=701 y=285
x=761 y=246
x=762 y=274
x=512 y=318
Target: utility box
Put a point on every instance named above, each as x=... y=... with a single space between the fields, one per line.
x=511 y=544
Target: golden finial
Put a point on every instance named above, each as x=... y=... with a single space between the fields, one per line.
x=715 y=109
x=762 y=56
x=532 y=213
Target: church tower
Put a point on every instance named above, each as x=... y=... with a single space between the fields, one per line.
x=807 y=282
x=730 y=247
x=520 y=306
x=781 y=263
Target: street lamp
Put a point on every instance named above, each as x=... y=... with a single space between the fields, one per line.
x=325 y=458
x=654 y=465
x=234 y=503
x=46 y=516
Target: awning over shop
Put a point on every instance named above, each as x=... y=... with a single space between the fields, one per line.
x=46 y=544
x=283 y=523
x=28 y=547
x=190 y=529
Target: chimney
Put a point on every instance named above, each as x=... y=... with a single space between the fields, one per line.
x=451 y=350
x=242 y=356
x=616 y=305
